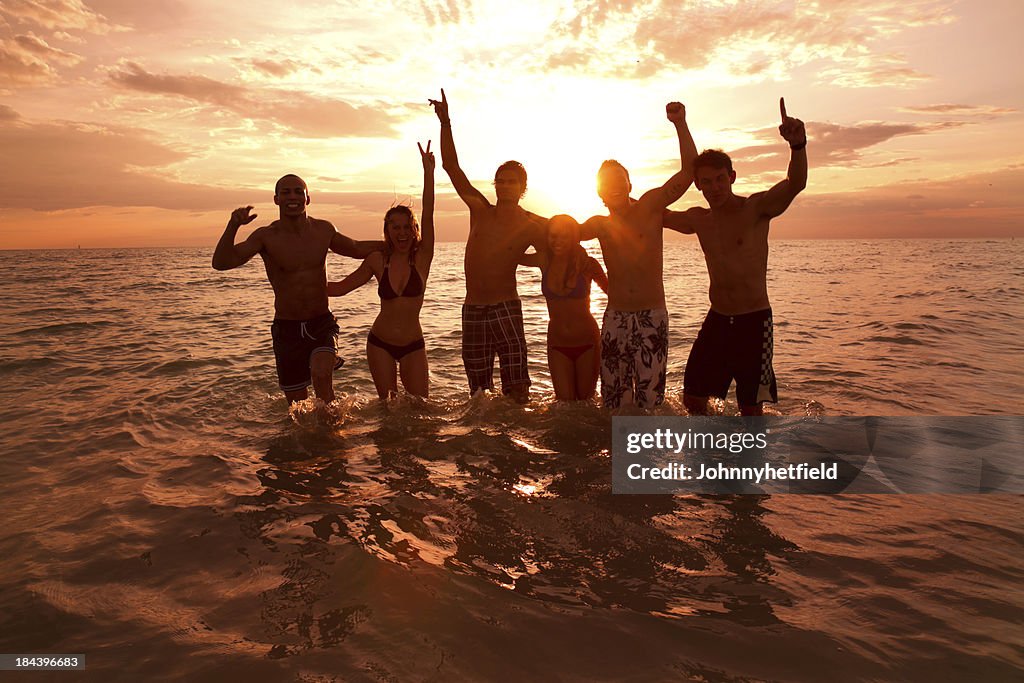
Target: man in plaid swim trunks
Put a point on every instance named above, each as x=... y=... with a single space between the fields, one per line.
x=492 y=315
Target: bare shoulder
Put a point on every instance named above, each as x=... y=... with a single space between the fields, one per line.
x=322 y=225
x=754 y=200
x=375 y=261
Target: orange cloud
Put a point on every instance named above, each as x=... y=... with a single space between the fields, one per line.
x=752 y=39
x=832 y=145
x=304 y=113
x=27 y=59
x=57 y=14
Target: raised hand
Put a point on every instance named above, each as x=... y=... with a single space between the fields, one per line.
x=791 y=130
x=427 y=157
x=675 y=112
x=241 y=216
x=441 y=108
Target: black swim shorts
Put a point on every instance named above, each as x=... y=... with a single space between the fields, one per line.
x=295 y=342
x=731 y=347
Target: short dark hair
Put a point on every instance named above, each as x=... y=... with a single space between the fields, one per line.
x=277 y=186
x=715 y=158
x=516 y=168
x=612 y=163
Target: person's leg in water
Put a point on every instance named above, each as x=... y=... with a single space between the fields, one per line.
x=382 y=369
x=506 y=328
x=707 y=373
x=563 y=374
x=416 y=373
x=321 y=370
x=588 y=368
x=477 y=348
x=616 y=375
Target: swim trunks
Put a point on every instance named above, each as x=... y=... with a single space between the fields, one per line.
x=494 y=328
x=295 y=342
x=634 y=357
x=397 y=351
x=731 y=347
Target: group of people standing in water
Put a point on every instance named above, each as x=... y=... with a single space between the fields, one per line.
x=629 y=353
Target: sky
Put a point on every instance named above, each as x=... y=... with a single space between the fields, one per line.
x=138 y=124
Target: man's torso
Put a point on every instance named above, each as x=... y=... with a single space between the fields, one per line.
x=632 y=244
x=492 y=253
x=735 y=245
x=295 y=261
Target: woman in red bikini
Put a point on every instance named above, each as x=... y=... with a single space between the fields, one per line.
x=574 y=340
x=395 y=343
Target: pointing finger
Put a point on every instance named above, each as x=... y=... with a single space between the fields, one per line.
x=422 y=153
x=428 y=146
x=782 y=108
x=444 y=99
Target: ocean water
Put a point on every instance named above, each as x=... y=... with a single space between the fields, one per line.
x=167 y=517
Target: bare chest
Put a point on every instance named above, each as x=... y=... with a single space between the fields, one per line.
x=287 y=253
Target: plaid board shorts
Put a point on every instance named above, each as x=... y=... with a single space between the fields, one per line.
x=489 y=329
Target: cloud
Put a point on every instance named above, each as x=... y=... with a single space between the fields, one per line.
x=832 y=144
x=447 y=12
x=307 y=114
x=280 y=69
x=58 y=15
x=960 y=109
x=974 y=205
x=69 y=165
x=27 y=59
x=751 y=40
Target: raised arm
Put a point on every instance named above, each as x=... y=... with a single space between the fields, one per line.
x=776 y=200
x=661 y=197
x=346 y=246
x=426 y=248
x=450 y=159
x=354 y=280
x=229 y=255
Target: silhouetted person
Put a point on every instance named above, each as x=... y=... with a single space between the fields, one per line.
x=294 y=250
x=634 y=333
x=492 y=314
x=574 y=342
x=395 y=344
x=735 y=341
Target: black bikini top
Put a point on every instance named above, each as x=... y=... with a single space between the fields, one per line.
x=414 y=287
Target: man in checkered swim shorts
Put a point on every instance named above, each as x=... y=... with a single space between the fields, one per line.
x=492 y=315
x=736 y=339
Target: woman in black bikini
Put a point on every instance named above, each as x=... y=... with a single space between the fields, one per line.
x=395 y=343
x=574 y=340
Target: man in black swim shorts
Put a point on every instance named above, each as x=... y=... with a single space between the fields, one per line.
x=735 y=341
x=294 y=251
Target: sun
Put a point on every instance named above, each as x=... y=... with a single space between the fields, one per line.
x=562 y=171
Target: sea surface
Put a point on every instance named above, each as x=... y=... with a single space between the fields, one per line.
x=170 y=519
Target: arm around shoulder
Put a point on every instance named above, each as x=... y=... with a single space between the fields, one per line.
x=354 y=280
x=346 y=246
x=680 y=221
x=598 y=275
